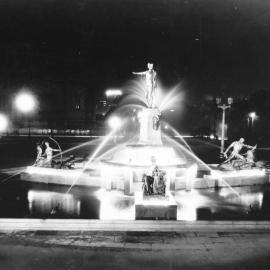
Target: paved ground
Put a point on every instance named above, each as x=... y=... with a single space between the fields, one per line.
x=133 y=250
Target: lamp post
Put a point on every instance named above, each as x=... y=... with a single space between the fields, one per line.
x=253 y=117
x=223 y=107
x=25 y=103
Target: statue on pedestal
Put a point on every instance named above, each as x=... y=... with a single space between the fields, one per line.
x=151 y=84
x=154 y=180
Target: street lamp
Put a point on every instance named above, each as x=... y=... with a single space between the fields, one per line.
x=113 y=92
x=3 y=123
x=253 y=117
x=26 y=104
x=223 y=107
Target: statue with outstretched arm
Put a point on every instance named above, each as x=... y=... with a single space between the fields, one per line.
x=236 y=148
x=151 y=84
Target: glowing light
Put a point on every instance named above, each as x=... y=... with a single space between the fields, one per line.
x=51 y=171
x=212 y=136
x=141 y=156
x=188 y=203
x=115 y=122
x=3 y=123
x=240 y=173
x=171 y=110
x=113 y=92
x=115 y=205
x=140 y=114
x=253 y=115
x=46 y=195
x=166 y=127
x=25 y=102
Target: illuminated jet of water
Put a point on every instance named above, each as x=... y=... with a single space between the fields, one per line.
x=178 y=135
x=136 y=91
x=119 y=146
x=190 y=154
x=93 y=156
x=170 y=99
x=93 y=142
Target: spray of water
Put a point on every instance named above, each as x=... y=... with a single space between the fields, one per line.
x=193 y=156
x=95 y=153
x=135 y=90
x=178 y=135
x=172 y=98
x=93 y=142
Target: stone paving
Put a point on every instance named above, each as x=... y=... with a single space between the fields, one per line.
x=134 y=250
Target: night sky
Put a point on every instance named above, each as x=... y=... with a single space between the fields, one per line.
x=212 y=46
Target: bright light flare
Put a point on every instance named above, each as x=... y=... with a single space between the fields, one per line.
x=113 y=92
x=188 y=203
x=25 y=102
x=114 y=205
x=3 y=122
x=253 y=115
x=115 y=122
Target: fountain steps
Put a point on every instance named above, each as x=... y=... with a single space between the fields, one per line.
x=79 y=225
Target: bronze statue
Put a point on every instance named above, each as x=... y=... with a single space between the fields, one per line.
x=151 y=84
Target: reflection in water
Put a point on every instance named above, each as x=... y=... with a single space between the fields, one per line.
x=221 y=204
x=22 y=200
x=188 y=202
x=115 y=205
x=53 y=204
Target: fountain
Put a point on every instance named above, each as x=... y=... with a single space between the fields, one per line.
x=131 y=162
x=124 y=167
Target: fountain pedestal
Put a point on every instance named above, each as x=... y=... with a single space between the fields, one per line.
x=155 y=207
x=150 y=131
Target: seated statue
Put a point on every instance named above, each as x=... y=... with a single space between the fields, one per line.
x=148 y=184
x=155 y=184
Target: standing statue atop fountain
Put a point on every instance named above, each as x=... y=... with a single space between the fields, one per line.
x=151 y=84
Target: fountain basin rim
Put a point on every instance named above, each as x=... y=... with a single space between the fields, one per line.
x=171 y=166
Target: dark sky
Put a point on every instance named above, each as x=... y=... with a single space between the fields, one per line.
x=213 y=46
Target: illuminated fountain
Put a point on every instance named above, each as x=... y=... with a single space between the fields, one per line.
x=125 y=166
x=117 y=169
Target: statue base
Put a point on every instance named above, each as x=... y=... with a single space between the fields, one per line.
x=150 y=131
x=155 y=207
